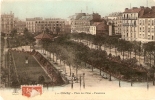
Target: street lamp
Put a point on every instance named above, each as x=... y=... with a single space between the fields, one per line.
x=80 y=81
x=147 y=80
x=131 y=81
x=72 y=80
x=139 y=51
x=119 y=80
x=83 y=80
x=154 y=78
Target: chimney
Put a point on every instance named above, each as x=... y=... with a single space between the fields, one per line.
x=142 y=7
x=134 y=8
x=126 y=9
x=153 y=8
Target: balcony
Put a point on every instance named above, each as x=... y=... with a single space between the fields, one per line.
x=129 y=18
x=127 y=24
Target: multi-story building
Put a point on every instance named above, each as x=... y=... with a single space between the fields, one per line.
x=19 y=25
x=146 y=26
x=39 y=24
x=99 y=28
x=67 y=29
x=30 y=24
x=130 y=22
x=53 y=25
x=81 y=22
x=7 y=23
x=114 y=20
x=118 y=24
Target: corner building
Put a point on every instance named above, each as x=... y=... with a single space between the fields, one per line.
x=147 y=26
x=38 y=24
x=130 y=22
x=7 y=23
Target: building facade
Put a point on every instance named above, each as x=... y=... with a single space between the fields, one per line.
x=130 y=22
x=114 y=20
x=146 y=26
x=7 y=23
x=52 y=25
x=81 y=22
x=30 y=24
x=67 y=29
x=19 y=26
x=118 y=25
x=99 y=28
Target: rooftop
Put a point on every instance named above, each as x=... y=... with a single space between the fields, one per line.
x=143 y=12
x=43 y=36
x=149 y=14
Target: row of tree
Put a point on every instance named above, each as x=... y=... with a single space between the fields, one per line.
x=120 y=45
x=77 y=55
x=21 y=40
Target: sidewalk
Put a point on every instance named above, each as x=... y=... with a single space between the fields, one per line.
x=92 y=78
x=91 y=45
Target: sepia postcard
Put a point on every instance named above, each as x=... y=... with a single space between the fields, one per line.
x=77 y=50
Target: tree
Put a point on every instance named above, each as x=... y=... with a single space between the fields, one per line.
x=41 y=79
x=150 y=49
x=13 y=33
x=121 y=46
x=57 y=30
x=26 y=31
x=77 y=65
x=113 y=42
x=135 y=47
x=52 y=48
x=47 y=30
x=99 y=40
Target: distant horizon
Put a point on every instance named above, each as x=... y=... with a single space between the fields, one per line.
x=23 y=9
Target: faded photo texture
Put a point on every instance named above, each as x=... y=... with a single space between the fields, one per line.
x=77 y=50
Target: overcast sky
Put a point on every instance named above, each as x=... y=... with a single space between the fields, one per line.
x=64 y=8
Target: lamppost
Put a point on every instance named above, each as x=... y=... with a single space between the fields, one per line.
x=52 y=81
x=110 y=77
x=119 y=80
x=131 y=81
x=64 y=67
x=147 y=80
x=154 y=78
x=72 y=80
x=83 y=80
x=83 y=76
x=139 y=50
x=80 y=81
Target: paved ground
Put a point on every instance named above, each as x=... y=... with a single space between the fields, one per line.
x=3 y=58
x=89 y=75
x=109 y=90
x=140 y=59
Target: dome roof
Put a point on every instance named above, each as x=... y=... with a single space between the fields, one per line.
x=43 y=36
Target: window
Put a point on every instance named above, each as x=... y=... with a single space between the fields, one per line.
x=152 y=30
x=148 y=29
x=148 y=22
x=143 y=29
x=135 y=23
x=148 y=36
x=139 y=22
x=140 y=29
